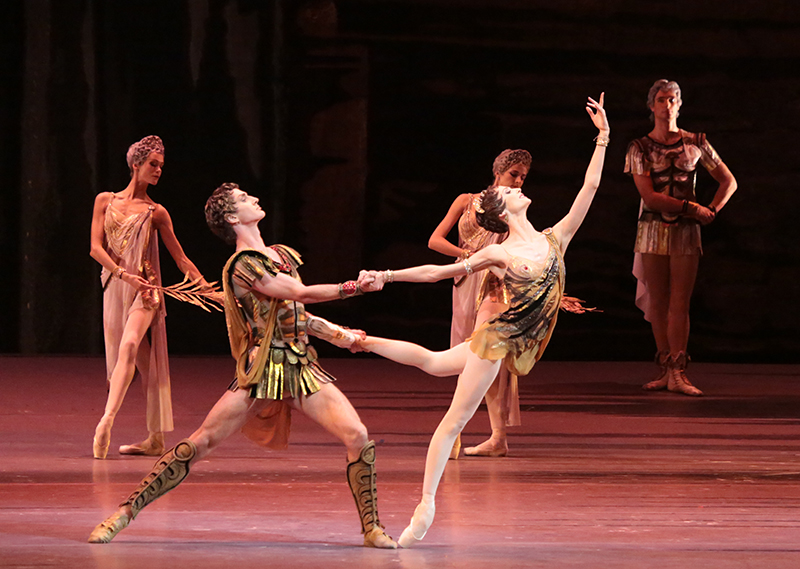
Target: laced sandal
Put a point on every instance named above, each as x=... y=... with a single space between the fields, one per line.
x=662 y=379
x=678 y=382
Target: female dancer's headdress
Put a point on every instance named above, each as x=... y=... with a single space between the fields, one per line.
x=139 y=151
x=507 y=158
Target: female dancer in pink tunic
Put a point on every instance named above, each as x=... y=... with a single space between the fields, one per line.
x=125 y=228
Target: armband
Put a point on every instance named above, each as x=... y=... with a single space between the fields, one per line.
x=349 y=289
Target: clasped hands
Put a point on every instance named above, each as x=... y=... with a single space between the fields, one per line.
x=371 y=281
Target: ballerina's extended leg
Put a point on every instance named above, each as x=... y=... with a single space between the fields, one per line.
x=478 y=374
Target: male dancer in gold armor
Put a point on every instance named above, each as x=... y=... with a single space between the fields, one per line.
x=276 y=368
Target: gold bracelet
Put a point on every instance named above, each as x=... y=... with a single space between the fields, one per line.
x=118 y=272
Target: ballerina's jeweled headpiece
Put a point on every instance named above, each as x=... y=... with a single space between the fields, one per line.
x=139 y=151
x=507 y=158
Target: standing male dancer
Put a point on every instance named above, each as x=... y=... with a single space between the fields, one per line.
x=276 y=368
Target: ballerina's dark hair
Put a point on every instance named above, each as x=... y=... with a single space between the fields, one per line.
x=491 y=208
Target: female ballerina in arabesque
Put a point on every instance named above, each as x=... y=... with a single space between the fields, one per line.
x=530 y=264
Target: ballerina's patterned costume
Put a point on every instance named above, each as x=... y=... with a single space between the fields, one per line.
x=132 y=242
x=471 y=290
x=288 y=367
x=520 y=335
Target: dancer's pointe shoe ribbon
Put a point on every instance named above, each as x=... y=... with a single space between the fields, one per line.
x=420 y=522
x=106 y=530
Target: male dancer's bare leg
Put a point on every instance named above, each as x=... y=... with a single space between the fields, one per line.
x=329 y=408
x=226 y=417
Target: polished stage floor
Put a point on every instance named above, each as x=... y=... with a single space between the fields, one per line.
x=601 y=474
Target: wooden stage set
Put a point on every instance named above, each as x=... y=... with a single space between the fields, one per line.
x=600 y=474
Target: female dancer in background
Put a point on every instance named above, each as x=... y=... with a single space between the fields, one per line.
x=531 y=267
x=668 y=246
x=480 y=295
x=125 y=228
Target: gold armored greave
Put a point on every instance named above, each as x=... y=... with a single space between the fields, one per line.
x=361 y=478
x=167 y=473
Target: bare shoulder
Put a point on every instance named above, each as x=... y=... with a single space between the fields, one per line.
x=160 y=213
x=495 y=252
x=102 y=199
x=459 y=204
x=462 y=201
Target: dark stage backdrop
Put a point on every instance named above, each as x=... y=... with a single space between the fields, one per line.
x=358 y=122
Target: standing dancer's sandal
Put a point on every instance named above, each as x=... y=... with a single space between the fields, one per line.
x=361 y=479
x=167 y=473
x=495 y=446
x=662 y=379
x=678 y=382
x=151 y=446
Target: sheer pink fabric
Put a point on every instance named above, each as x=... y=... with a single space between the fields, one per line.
x=133 y=243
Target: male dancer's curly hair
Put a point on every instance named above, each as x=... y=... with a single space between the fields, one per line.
x=493 y=205
x=217 y=207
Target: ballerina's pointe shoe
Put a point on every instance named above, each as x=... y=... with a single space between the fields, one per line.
x=420 y=522
x=151 y=446
x=106 y=530
x=491 y=448
x=99 y=451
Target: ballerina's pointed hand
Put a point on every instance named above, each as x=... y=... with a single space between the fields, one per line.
x=598 y=113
